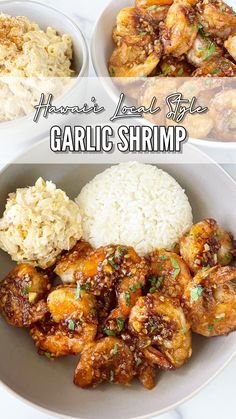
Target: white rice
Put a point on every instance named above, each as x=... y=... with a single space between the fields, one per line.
x=134 y=204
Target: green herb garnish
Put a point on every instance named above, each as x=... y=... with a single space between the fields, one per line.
x=154 y=7
x=78 y=289
x=139 y=361
x=26 y=289
x=183 y=331
x=109 y=332
x=176 y=268
x=127 y=298
x=120 y=324
x=166 y=69
x=47 y=354
x=210 y=327
x=135 y=288
x=196 y=293
x=216 y=71
x=142 y=33
x=210 y=51
x=163 y=257
x=156 y=283
x=115 y=350
x=113 y=73
x=71 y=324
x=153 y=325
x=112 y=376
x=112 y=262
x=180 y=72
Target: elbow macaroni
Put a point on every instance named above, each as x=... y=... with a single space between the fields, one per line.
x=32 y=61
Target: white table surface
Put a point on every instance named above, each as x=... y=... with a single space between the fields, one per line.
x=216 y=400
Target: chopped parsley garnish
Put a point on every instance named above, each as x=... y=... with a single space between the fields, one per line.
x=218 y=234
x=183 y=331
x=180 y=72
x=156 y=283
x=196 y=293
x=26 y=289
x=163 y=257
x=205 y=268
x=80 y=288
x=226 y=258
x=71 y=324
x=127 y=298
x=139 y=361
x=120 y=324
x=166 y=69
x=142 y=33
x=109 y=332
x=113 y=73
x=153 y=325
x=154 y=7
x=112 y=262
x=47 y=354
x=201 y=30
x=135 y=288
x=176 y=268
x=209 y=51
x=115 y=350
x=93 y=311
x=112 y=376
x=216 y=71
x=210 y=327
x=121 y=251
x=217 y=319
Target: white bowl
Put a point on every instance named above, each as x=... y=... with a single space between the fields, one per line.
x=48 y=385
x=24 y=129
x=102 y=37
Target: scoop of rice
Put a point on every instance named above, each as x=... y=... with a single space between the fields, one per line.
x=38 y=223
x=134 y=204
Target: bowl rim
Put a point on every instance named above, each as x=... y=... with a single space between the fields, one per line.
x=149 y=415
x=223 y=145
x=83 y=43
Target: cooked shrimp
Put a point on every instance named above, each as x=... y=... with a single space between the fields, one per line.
x=216 y=67
x=223 y=107
x=160 y=324
x=202 y=50
x=129 y=290
x=115 y=323
x=174 y=67
x=179 y=30
x=138 y=48
x=206 y=244
x=230 y=45
x=218 y=19
x=156 y=8
x=108 y=359
x=106 y=265
x=71 y=325
x=168 y=273
x=147 y=374
x=72 y=261
x=159 y=88
x=21 y=296
x=212 y=301
x=147 y=4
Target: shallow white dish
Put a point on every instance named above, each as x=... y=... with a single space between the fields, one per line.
x=102 y=37
x=48 y=385
x=23 y=130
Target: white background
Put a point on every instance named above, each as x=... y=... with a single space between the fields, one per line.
x=214 y=402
